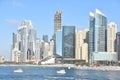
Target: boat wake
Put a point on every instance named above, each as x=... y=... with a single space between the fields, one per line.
x=70 y=78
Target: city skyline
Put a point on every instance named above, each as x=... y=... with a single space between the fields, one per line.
x=42 y=16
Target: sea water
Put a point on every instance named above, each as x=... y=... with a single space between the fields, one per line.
x=50 y=73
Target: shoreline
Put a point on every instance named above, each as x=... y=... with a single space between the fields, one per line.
x=46 y=65
x=103 y=68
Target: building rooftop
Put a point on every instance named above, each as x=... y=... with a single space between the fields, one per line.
x=92 y=14
x=99 y=12
x=25 y=24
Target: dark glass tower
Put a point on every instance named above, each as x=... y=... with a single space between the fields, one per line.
x=118 y=44
x=68 y=43
x=91 y=35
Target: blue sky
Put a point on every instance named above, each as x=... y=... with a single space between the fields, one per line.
x=41 y=12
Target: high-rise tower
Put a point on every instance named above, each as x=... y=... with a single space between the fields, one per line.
x=118 y=44
x=57 y=21
x=91 y=35
x=97 y=34
x=111 y=36
x=26 y=41
x=100 y=32
x=59 y=44
x=81 y=45
x=68 y=43
x=57 y=26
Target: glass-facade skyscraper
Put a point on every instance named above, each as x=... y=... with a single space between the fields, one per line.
x=100 y=32
x=59 y=44
x=97 y=33
x=14 y=40
x=57 y=26
x=68 y=43
x=91 y=35
x=118 y=44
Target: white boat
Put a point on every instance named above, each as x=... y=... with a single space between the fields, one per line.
x=61 y=71
x=18 y=70
x=69 y=67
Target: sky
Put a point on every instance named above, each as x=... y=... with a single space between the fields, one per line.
x=41 y=13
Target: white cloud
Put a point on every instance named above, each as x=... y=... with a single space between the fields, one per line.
x=12 y=22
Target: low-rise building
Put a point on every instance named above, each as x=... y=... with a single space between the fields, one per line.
x=105 y=58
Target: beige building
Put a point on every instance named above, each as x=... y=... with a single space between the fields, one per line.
x=85 y=35
x=111 y=36
x=84 y=51
x=46 y=50
x=81 y=45
x=79 y=41
x=51 y=51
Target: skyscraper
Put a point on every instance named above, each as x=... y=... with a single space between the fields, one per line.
x=118 y=44
x=91 y=35
x=68 y=43
x=78 y=43
x=45 y=38
x=14 y=40
x=111 y=36
x=57 y=21
x=41 y=49
x=26 y=41
x=81 y=49
x=97 y=34
x=59 y=44
x=37 y=50
x=57 y=26
x=100 y=32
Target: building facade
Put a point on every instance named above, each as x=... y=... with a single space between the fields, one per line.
x=78 y=43
x=37 y=51
x=91 y=36
x=84 y=51
x=57 y=26
x=45 y=50
x=105 y=58
x=111 y=36
x=51 y=52
x=24 y=49
x=100 y=32
x=81 y=44
x=41 y=49
x=57 y=21
x=118 y=45
x=59 y=44
x=68 y=44
x=97 y=34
